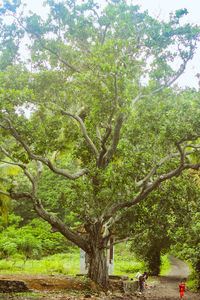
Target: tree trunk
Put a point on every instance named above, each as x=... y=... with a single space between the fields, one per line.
x=154 y=261
x=98 y=270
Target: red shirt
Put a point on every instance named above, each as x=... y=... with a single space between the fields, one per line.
x=181 y=287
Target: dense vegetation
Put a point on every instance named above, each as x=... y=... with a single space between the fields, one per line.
x=110 y=141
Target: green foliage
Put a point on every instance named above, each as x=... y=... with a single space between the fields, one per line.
x=102 y=107
x=54 y=191
x=165 y=267
x=6 y=171
x=193 y=282
x=13 y=241
x=67 y=263
x=125 y=261
x=186 y=236
x=51 y=243
x=157 y=221
x=32 y=240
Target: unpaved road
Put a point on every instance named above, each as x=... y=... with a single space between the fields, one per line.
x=160 y=288
x=167 y=286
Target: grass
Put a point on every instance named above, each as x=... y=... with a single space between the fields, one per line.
x=67 y=263
x=192 y=282
x=31 y=295
x=165 y=265
x=125 y=263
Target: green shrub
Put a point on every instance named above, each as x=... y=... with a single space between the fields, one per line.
x=29 y=246
x=8 y=247
x=52 y=243
x=32 y=240
x=192 y=281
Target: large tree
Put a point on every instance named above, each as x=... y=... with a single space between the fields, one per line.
x=99 y=91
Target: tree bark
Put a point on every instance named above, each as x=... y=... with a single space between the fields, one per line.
x=98 y=270
x=154 y=261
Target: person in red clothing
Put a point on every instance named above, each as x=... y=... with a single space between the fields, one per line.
x=182 y=289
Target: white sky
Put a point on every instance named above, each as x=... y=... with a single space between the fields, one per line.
x=161 y=9
x=158 y=9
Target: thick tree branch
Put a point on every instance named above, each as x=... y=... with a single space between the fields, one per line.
x=168 y=84
x=109 y=126
x=115 y=141
x=23 y=167
x=51 y=219
x=136 y=99
x=103 y=145
x=190 y=138
x=149 y=188
x=145 y=180
x=83 y=130
x=181 y=153
x=56 y=54
x=110 y=221
x=45 y=161
x=192 y=146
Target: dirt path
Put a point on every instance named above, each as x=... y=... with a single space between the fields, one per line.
x=179 y=268
x=160 y=288
x=166 y=287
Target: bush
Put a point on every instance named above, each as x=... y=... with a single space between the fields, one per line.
x=8 y=248
x=192 y=281
x=32 y=240
x=29 y=246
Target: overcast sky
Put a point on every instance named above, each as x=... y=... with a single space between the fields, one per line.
x=162 y=8
x=159 y=9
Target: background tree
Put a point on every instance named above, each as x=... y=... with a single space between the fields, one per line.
x=187 y=242
x=158 y=220
x=122 y=138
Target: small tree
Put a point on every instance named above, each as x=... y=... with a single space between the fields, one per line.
x=122 y=137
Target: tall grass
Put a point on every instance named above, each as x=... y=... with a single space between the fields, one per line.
x=165 y=265
x=125 y=261
x=68 y=263
x=65 y=263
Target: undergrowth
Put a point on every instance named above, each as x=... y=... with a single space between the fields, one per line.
x=125 y=263
x=165 y=265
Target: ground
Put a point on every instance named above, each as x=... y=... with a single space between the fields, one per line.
x=54 y=287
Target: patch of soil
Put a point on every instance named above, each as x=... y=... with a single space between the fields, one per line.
x=42 y=282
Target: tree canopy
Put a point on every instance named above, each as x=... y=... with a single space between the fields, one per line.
x=104 y=115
